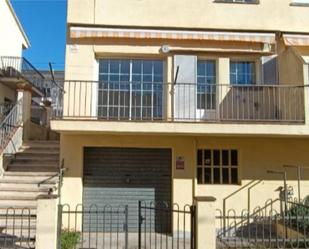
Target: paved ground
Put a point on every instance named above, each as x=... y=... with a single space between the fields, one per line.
x=117 y=241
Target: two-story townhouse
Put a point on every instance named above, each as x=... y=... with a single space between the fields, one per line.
x=171 y=100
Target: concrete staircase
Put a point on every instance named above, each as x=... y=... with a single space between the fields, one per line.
x=19 y=190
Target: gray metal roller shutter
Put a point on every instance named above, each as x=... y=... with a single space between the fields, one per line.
x=123 y=176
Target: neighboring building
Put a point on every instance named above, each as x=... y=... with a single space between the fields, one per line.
x=171 y=100
x=15 y=71
x=58 y=75
x=23 y=163
x=16 y=40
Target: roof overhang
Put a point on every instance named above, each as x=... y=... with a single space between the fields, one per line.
x=130 y=33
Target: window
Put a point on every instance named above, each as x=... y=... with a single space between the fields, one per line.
x=238 y=1
x=217 y=166
x=242 y=72
x=206 y=84
x=130 y=89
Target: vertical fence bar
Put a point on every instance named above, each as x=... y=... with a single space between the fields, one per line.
x=140 y=220
x=126 y=227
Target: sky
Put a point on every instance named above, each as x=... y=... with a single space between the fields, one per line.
x=44 y=22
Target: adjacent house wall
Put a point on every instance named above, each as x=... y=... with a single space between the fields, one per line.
x=12 y=39
x=6 y=92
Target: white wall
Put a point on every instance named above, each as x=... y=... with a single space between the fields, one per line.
x=11 y=38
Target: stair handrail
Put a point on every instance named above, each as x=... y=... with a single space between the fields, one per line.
x=258 y=210
x=60 y=175
x=10 y=123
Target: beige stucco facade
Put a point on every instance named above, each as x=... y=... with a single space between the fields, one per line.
x=256 y=156
x=187 y=14
x=262 y=146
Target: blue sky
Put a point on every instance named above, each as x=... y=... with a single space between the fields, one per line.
x=44 y=21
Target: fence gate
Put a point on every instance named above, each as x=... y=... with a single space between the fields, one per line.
x=165 y=226
x=160 y=226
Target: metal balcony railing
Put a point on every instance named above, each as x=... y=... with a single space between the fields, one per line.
x=20 y=67
x=181 y=102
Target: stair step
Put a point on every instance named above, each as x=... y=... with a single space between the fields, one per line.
x=16 y=173
x=18 y=227
x=41 y=151
x=37 y=160
x=20 y=221
x=34 y=142
x=18 y=209
x=26 y=181
x=40 y=146
x=15 y=190
x=26 y=186
x=18 y=198
x=37 y=157
x=51 y=169
x=41 y=141
x=27 y=178
x=17 y=204
x=19 y=194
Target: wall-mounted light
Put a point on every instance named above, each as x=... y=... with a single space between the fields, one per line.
x=165 y=49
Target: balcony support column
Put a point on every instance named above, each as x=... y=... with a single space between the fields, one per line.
x=26 y=96
x=306 y=92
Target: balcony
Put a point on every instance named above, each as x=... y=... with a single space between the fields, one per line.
x=14 y=70
x=181 y=102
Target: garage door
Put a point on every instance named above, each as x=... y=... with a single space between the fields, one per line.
x=123 y=176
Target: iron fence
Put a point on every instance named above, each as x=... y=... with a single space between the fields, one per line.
x=162 y=225
x=18 y=67
x=17 y=228
x=10 y=124
x=181 y=102
x=159 y=226
x=94 y=227
x=275 y=225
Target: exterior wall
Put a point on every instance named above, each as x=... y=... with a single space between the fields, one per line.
x=81 y=54
x=290 y=67
x=187 y=14
x=12 y=38
x=257 y=155
x=6 y=92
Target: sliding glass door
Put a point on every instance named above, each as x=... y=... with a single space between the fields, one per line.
x=206 y=89
x=130 y=89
